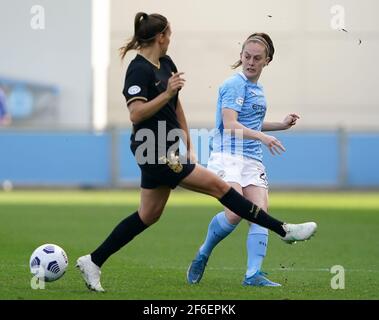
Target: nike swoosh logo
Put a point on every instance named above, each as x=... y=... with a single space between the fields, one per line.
x=157 y=83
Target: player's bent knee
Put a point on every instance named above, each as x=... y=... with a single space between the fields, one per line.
x=233 y=218
x=149 y=220
x=221 y=188
x=150 y=217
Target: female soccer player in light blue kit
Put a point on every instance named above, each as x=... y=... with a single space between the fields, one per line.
x=237 y=155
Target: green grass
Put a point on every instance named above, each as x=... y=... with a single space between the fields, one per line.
x=154 y=265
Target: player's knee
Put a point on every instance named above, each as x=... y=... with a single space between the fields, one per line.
x=220 y=188
x=233 y=218
x=151 y=220
x=149 y=217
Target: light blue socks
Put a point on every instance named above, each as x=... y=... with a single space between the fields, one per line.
x=218 y=229
x=257 y=239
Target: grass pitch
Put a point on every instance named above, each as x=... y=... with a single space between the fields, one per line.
x=154 y=265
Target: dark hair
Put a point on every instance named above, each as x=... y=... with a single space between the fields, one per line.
x=146 y=27
x=259 y=37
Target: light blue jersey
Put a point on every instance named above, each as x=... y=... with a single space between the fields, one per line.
x=247 y=98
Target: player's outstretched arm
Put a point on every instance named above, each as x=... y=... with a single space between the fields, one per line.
x=231 y=123
x=288 y=122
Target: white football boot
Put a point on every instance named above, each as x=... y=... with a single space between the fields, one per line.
x=90 y=272
x=298 y=232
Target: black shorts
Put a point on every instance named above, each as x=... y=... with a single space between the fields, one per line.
x=155 y=175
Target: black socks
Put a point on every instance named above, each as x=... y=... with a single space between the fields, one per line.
x=120 y=236
x=249 y=211
x=133 y=225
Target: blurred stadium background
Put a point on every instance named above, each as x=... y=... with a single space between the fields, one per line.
x=68 y=124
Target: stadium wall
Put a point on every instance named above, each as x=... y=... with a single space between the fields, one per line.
x=57 y=55
x=314 y=159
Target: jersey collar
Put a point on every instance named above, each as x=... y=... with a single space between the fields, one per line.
x=243 y=76
x=247 y=80
x=158 y=66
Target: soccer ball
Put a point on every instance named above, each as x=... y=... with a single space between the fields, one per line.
x=48 y=262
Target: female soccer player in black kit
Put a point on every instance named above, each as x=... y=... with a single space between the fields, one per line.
x=152 y=86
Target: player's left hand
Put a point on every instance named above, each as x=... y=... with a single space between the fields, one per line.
x=290 y=120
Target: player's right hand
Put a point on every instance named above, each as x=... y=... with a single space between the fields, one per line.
x=175 y=83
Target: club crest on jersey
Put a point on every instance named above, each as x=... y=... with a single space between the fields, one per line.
x=239 y=101
x=134 y=90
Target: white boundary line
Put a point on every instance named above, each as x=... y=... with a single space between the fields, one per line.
x=2 y=265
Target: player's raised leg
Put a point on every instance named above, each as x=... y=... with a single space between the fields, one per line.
x=204 y=181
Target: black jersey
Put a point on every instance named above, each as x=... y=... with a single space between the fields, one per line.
x=144 y=81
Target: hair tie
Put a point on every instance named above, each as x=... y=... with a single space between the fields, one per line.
x=151 y=38
x=143 y=17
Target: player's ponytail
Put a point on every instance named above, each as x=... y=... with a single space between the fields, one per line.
x=146 y=28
